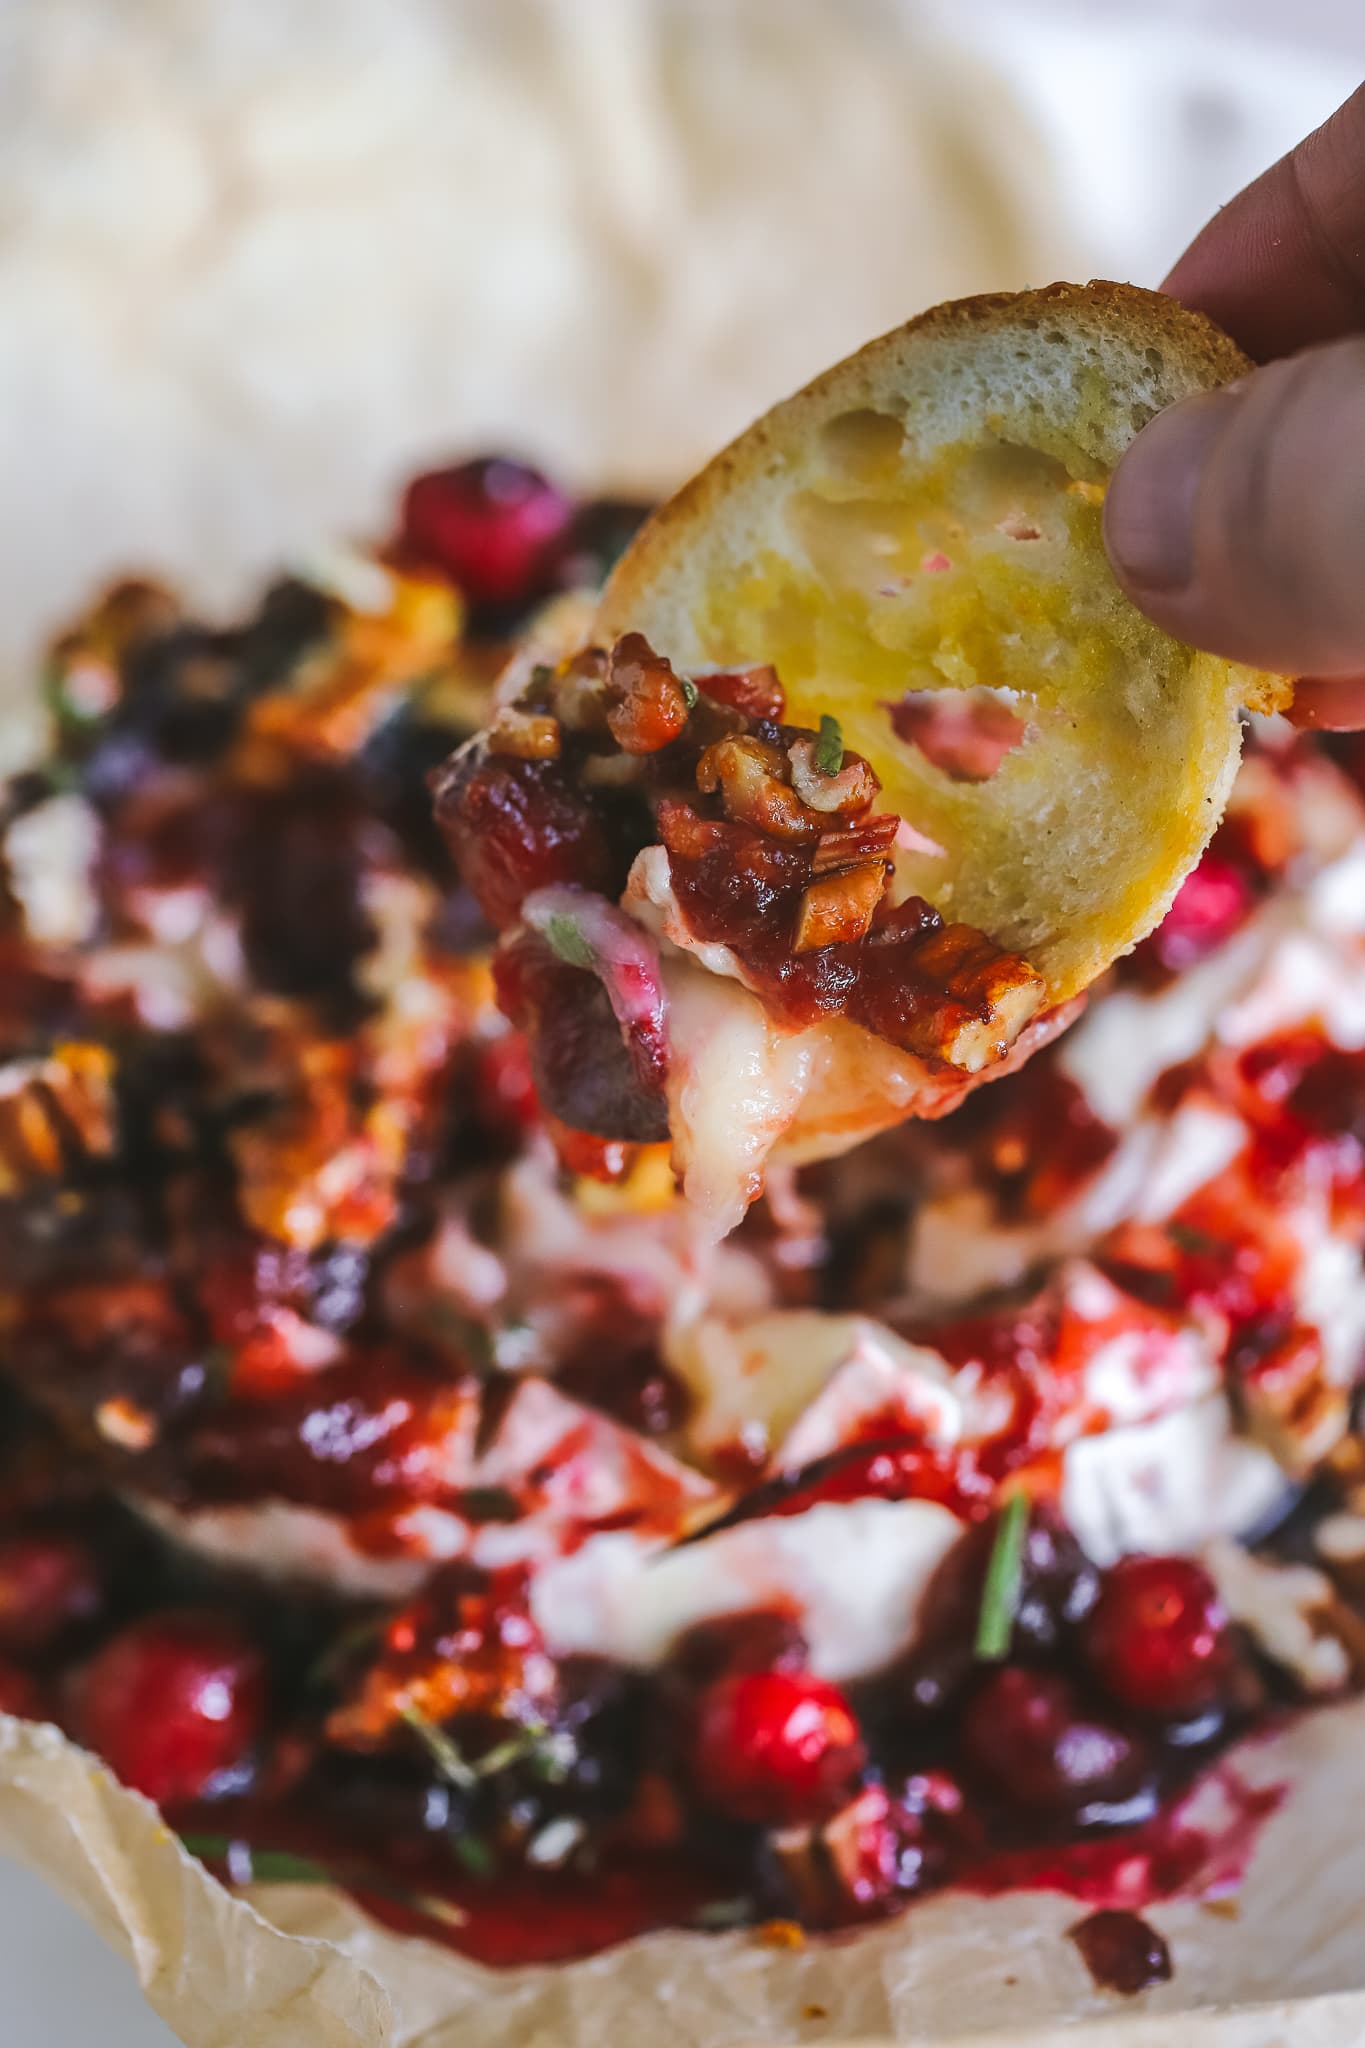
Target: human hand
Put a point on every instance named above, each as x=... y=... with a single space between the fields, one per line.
x=1237 y=519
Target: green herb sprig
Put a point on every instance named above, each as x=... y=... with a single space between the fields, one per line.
x=1004 y=1576
x=829 y=746
x=567 y=942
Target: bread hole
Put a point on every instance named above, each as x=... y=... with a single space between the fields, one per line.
x=965 y=733
x=864 y=445
x=1152 y=358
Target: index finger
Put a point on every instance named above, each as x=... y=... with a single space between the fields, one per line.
x=1283 y=264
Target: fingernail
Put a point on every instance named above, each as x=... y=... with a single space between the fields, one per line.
x=1150 y=505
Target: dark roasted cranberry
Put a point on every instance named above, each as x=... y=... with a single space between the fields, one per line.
x=1057 y=1587
x=933 y=1679
x=296 y=876
x=514 y=826
x=628 y=1381
x=49 y=1585
x=1121 y=1952
x=1029 y=1741
x=762 y=1639
x=585 y=1071
x=602 y=530
x=1209 y=905
x=496 y=528
x=182 y=693
x=394 y=767
x=775 y=1746
x=21 y=1694
x=172 y=1703
x=1331 y=1095
x=294 y=616
x=1158 y=1638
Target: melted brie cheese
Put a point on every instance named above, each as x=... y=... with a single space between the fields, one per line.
x=742 y=1090
x=1168 y=1485
x=852 y=1575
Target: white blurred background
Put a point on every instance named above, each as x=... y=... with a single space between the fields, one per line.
x=259 y=259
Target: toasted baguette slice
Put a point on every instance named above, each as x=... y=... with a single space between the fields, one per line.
x=925 y=518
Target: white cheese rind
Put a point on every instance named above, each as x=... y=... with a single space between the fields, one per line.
x=853 y=1576
x=1168 y=1485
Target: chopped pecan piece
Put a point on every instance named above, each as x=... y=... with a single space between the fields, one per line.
x=751 y=776
x=576 y=693
x=849 y=845
x=858 y=1860
x=1290 y=1403
x=525 y=735
x=463 y=1648
x=754 y=692
x=848 y=791
x=945 y=991
x=839 y=907
x=54 y=1112
x=647 y=705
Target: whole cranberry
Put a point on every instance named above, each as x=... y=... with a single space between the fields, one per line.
x=1027 y=1738
x=1057 y=1586
x=172 y=1702
x=49 y=1584
x=20 y=1693
x=496 y=528
x=1158 y=1639
x=514 y=826
x=779 y=1747
x=1209 y=905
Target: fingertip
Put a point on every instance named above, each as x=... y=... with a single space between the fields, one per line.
x=1329 y=704
x=1151 y=504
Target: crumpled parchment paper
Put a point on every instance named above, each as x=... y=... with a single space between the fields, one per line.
x=1280 y=1963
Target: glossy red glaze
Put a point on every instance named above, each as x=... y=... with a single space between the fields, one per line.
x=518 y=1922
x=371 y=1431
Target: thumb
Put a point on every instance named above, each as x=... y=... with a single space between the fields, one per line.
x=1237 y=519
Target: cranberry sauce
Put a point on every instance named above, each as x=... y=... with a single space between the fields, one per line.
x=436 y=1761
x=774 y=850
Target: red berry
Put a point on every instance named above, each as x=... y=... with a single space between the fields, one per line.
x=20 y=1694
x=1209 y=905
x=514 y=826
x=779 y=1747
x=1028 y=1740
x=1157 y=1639
x=48 y=1585
x=496 y=528
x=504 y=1093
x=172 y=1702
